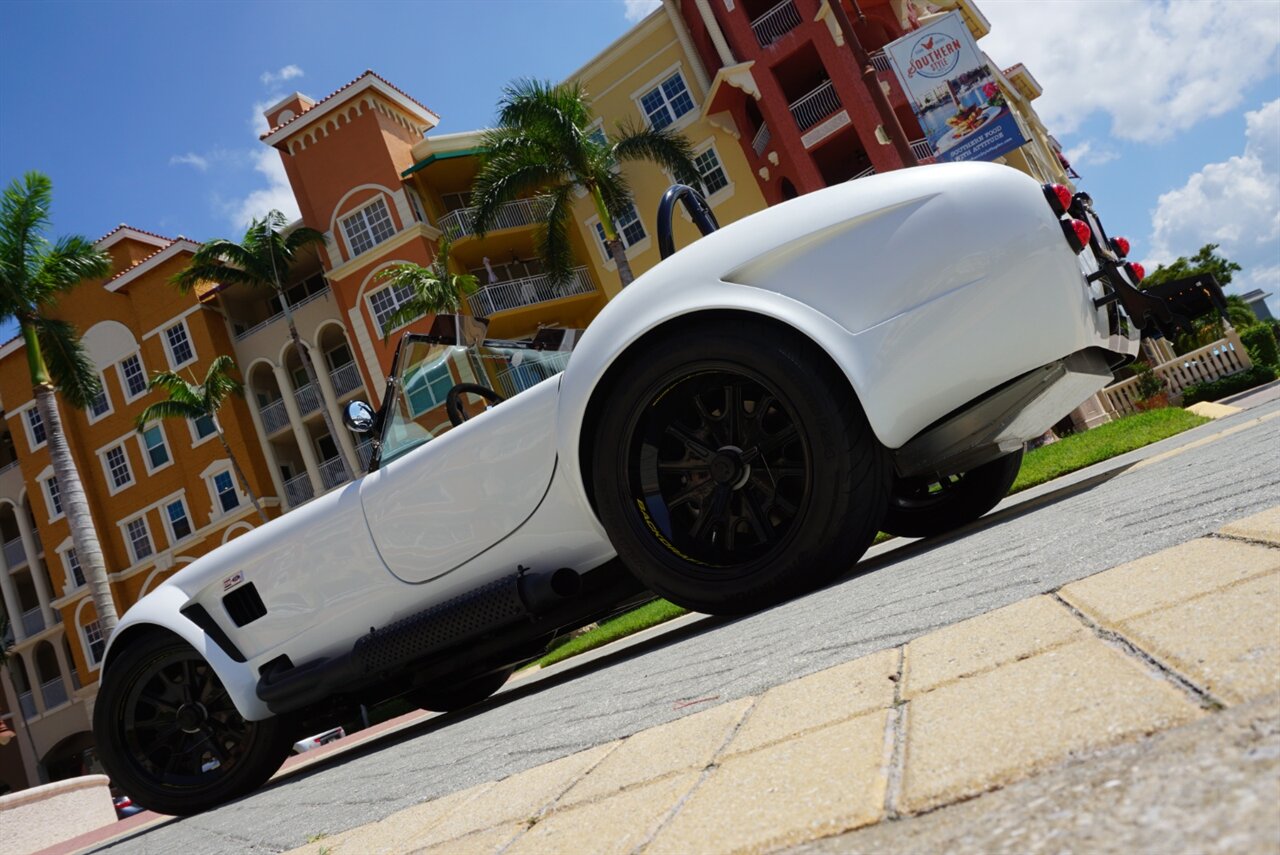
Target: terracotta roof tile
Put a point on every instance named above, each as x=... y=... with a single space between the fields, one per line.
x=132 y=228
x=368 y=73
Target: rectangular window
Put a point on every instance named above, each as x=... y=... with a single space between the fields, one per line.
x=179 y=521
x=385 y=302
x=203 y=427
x=666 y=102
x=117 y=465
x=712 y=172
x=225 y=488
x=101 y=404
x=428 y=390
x=55 y=497
x=133 y=378
x=73 y=567
x=154 y=450
x=179 y=345
x=94 y=642
x=35 y=427
x=368 y=227
x=629 y=227
x=139 y=538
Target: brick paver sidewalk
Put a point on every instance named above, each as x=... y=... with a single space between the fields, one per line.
x=1147 y=646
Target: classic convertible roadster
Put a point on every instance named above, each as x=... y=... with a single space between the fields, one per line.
x=732 y=430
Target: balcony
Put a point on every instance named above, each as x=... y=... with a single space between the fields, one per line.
x=14 y=555
x=922 y=150
x=815 y=106
x=515 y=293
x=10 y=465
x=776 y=23
x=512 y=215
x=332 y=473
x=274 y=416
x=365 y=452
x=243 y=334
x=308 y=398
x=298 y=490
x=55 y=693
x=761 y=140
x=880 y=62
x=345 y=379
x=870 y=170
x=27 y=703
x=32 y=621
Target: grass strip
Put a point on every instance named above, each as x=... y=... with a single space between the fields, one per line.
x=1043 y=464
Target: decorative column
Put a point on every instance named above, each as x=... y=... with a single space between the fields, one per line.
x=39 y=576
x=268 y=450
x=299 y=431
x=686 y=43
x=29 y=668
x=64 y=667
x=11 y=603
x=330 y=398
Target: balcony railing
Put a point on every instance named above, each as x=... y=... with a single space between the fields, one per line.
x=761 y=140
x=776 y=23
x=32 y=621
x=518 y=378
x=880 y=61
x=921 y=149
x=298 y=490
x=332 y=473
x=365 y=452
x=345 y=379
x=870 y=170
x=274 y=416
x=5 y=468
x=308 y=399
x=55 y=693
x=278 y=315
x=505 y=296
x=27 y=702
x=14 y=555
x=522 y=212
x=1218 y=359
x=815 y=106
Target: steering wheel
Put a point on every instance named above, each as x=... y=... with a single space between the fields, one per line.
x=453 y=400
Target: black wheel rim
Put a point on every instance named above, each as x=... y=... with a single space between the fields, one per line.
x=181 y=728
x=719 y=468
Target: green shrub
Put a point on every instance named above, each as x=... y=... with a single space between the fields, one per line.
x=1149 y=383
x=1260 y=342
x=1230 y=385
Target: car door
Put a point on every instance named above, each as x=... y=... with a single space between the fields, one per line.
x=444 y=494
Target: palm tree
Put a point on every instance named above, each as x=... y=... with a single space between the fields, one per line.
x=6 y=643
x=196 y=401
x=545 y=144
x=436 y=289
x=257 y=261
x=33 y=273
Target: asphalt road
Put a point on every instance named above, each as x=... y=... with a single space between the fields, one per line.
x=1033 y=543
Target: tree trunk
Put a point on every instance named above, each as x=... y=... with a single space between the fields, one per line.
x=235 y=464
x=76 y=508
x=612 y=240
x=619 y=255
x=315 y=384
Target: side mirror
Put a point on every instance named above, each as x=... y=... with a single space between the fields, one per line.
x=358 y=417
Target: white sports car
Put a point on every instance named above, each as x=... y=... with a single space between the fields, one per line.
x=732 y=430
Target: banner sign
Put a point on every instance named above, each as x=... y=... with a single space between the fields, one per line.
x=954 y=92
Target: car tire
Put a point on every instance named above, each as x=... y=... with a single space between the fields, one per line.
x=733 y=468
x=923 y=508
x=168 y=734
x=445 y=699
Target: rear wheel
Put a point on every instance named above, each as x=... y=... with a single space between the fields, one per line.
x=448 y=698
x=733 y=469
x=169 y=735
x=922 y=507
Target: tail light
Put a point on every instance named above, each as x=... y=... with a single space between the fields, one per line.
x=1121 y=246
x=1058 y=197
x=1136 y=271
x=1077 y=233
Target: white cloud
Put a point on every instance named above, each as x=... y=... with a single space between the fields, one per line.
x=191 y=159
x=1156 y=68
x=1086 y=154
x=1235 y=203
x=638 y=9
x=277 y=195
x=273 y=78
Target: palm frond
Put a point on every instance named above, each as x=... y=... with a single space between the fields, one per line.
x=73 y=372
x=177 y=386
x=554 y=245
x=69 y=262
x=503 y=179
x=669 y=149
x=169 y=409
x=557 y=109
x=301 y=238
x=219 y=382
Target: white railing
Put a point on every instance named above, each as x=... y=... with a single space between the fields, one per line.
x=761 y=140
x=32 y=621
x=776 y=23
x=274 y=416
x=815 y=106
x=518 y=378
x=345 y=379
x=5 y=468
x=261 y=325
x=870 y=170
x=514 y=293
x=1211 y=362
x=332 y=473
x=55 y=693
x=298 y=490
x=308 y=399
x=14 y=555
x=365 y=452
x=522 y=212
x=880 y=61
x=921 y=149
x=27 y=702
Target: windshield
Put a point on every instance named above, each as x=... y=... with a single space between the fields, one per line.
x=428 y=368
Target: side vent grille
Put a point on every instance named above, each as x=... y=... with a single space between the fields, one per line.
x=244 y=605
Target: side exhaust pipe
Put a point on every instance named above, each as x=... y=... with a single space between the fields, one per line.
x=505 y=601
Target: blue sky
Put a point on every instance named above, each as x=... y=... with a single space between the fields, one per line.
x=148 y=113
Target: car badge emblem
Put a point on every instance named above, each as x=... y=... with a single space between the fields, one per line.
x=231 y=581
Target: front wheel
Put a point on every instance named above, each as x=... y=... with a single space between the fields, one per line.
x=922 y=507
x=733 y=468
x=169 y=735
